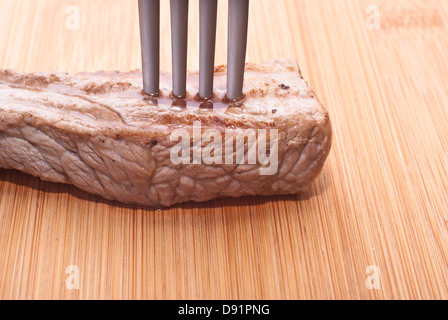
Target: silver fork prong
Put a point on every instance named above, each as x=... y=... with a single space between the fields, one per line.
x=207 y=41
x=236 y=47
x=149 y=12
x=179 y=37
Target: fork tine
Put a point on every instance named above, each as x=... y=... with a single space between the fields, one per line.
x=149 y=13
x=179 y=35
x=207 y=25
x=236 y=47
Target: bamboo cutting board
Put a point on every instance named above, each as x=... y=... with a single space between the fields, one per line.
x=372 y=226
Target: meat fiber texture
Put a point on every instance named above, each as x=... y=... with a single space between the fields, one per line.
x=99 y=132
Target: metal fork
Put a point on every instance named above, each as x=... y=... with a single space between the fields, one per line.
x=149 y=12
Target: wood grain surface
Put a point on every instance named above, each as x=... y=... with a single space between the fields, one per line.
x=380 y=201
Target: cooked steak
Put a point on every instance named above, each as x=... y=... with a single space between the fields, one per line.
x=99 y=132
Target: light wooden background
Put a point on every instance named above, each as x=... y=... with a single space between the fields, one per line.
x=381 y=199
